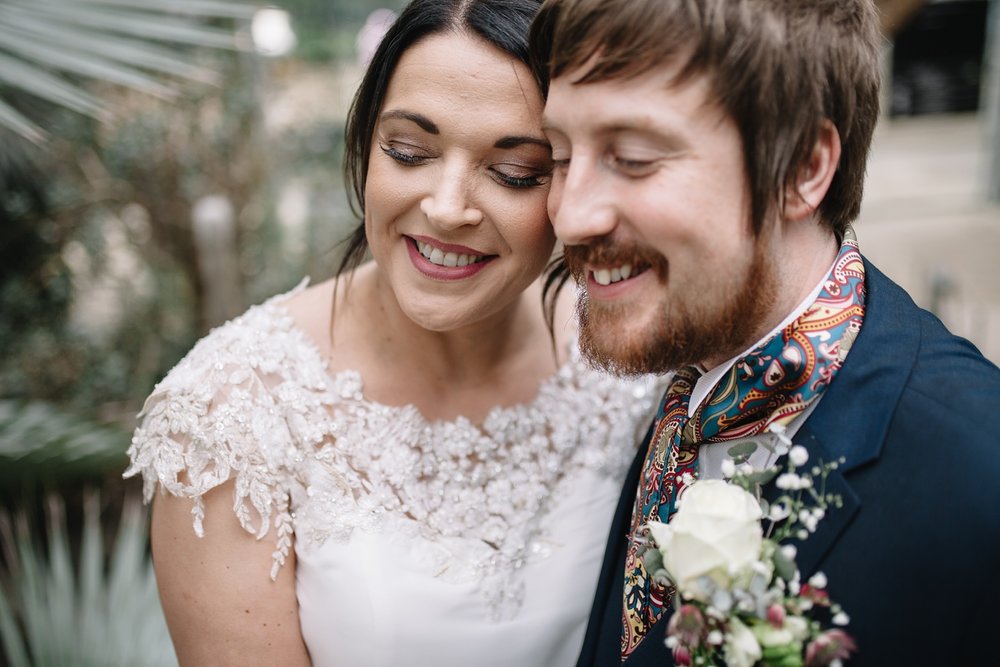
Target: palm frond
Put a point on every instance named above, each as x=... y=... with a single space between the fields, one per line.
x=114 y=48
x=207 y=8
x=19 y=74
x=40 y=440
x=50 y=48
x=13 y=121
x=90 y=610
x=134 y=20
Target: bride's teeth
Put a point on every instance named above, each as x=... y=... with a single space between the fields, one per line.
x=602 y=277
x=441 y=258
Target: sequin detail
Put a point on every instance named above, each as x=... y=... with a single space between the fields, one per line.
x=312 y=457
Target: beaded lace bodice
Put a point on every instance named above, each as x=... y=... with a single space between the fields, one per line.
x=313 y=458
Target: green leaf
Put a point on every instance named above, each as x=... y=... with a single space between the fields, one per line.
x=741 y=450
x=762 y=477
x=652 y=559
x=784 y=566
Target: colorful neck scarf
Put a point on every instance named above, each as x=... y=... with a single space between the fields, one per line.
x=771 y=384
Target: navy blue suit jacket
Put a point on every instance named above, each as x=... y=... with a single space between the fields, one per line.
x=914 y=555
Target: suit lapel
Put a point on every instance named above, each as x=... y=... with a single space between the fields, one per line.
x=853 y=417
x=604 y=626
x=812 y=551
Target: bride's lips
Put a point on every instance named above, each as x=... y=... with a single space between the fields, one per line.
x=475 y=260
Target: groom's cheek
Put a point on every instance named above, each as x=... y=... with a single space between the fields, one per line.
x=555 y=199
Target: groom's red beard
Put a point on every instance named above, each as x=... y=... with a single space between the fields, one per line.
x=716 y=321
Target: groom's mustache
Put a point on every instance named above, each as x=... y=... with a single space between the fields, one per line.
x=603 y=253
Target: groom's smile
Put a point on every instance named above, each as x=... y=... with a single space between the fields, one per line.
x=651 y=201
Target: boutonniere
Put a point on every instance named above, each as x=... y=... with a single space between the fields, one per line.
x=727 y=555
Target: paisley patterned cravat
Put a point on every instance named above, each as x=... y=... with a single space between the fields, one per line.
x=771 y=384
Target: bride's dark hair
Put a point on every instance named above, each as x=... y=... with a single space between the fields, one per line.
x=502 y=23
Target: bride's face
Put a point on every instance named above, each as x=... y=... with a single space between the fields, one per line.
x=457 y=180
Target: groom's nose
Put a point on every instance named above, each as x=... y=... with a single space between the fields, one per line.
x=581 y=203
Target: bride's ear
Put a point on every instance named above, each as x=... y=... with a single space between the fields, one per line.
x=806 y=192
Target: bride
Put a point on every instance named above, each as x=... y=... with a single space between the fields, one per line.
x=400 y=465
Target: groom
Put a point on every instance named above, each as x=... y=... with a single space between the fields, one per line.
x=709 y=161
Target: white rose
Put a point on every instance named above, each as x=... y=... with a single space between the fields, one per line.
x=798 y=626
x=741 y=648
x=716 y=532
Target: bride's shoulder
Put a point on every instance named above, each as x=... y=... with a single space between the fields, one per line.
x=243 y=404
x=262 y=339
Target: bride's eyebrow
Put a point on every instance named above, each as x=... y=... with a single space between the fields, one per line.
x=515 y=141
x=425 y=123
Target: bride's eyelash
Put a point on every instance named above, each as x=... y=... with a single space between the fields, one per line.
x=520 y=181
x=508 y=180
x=400 y=156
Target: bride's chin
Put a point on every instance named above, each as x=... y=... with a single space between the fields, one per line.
x=440 y=320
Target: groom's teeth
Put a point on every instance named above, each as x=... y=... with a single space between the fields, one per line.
x=441 y=258
x=617 y=274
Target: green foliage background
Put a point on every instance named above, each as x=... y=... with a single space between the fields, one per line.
x=101 y=292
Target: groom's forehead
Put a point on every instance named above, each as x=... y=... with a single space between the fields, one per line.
x=654 y=100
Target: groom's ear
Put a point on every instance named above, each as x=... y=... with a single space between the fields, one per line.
x=813 y=179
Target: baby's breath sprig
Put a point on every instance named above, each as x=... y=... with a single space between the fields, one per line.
x=804 y=501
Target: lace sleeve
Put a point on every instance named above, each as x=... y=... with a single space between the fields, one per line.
x=223 y=413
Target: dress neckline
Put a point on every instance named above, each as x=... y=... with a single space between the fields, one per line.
x=352 y=380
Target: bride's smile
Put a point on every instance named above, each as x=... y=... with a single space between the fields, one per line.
x=458 y=173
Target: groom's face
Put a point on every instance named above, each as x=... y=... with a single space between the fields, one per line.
x=650 y=198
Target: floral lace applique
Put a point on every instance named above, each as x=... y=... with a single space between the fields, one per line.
x=309 y=453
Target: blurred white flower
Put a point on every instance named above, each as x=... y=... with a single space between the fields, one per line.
x=271 y=30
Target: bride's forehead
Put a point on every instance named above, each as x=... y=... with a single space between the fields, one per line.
x=447 y=59
x=457 y=79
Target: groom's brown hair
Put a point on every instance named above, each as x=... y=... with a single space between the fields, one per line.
x=779 y=68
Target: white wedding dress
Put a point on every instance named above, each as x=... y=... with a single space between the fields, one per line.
x=427 y=544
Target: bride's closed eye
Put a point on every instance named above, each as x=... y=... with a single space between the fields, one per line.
x=517 y=176
x=404 y=154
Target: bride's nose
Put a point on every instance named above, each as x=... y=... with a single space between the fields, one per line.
x=450 y=204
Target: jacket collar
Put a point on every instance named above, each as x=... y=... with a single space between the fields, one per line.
x=853 y=417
